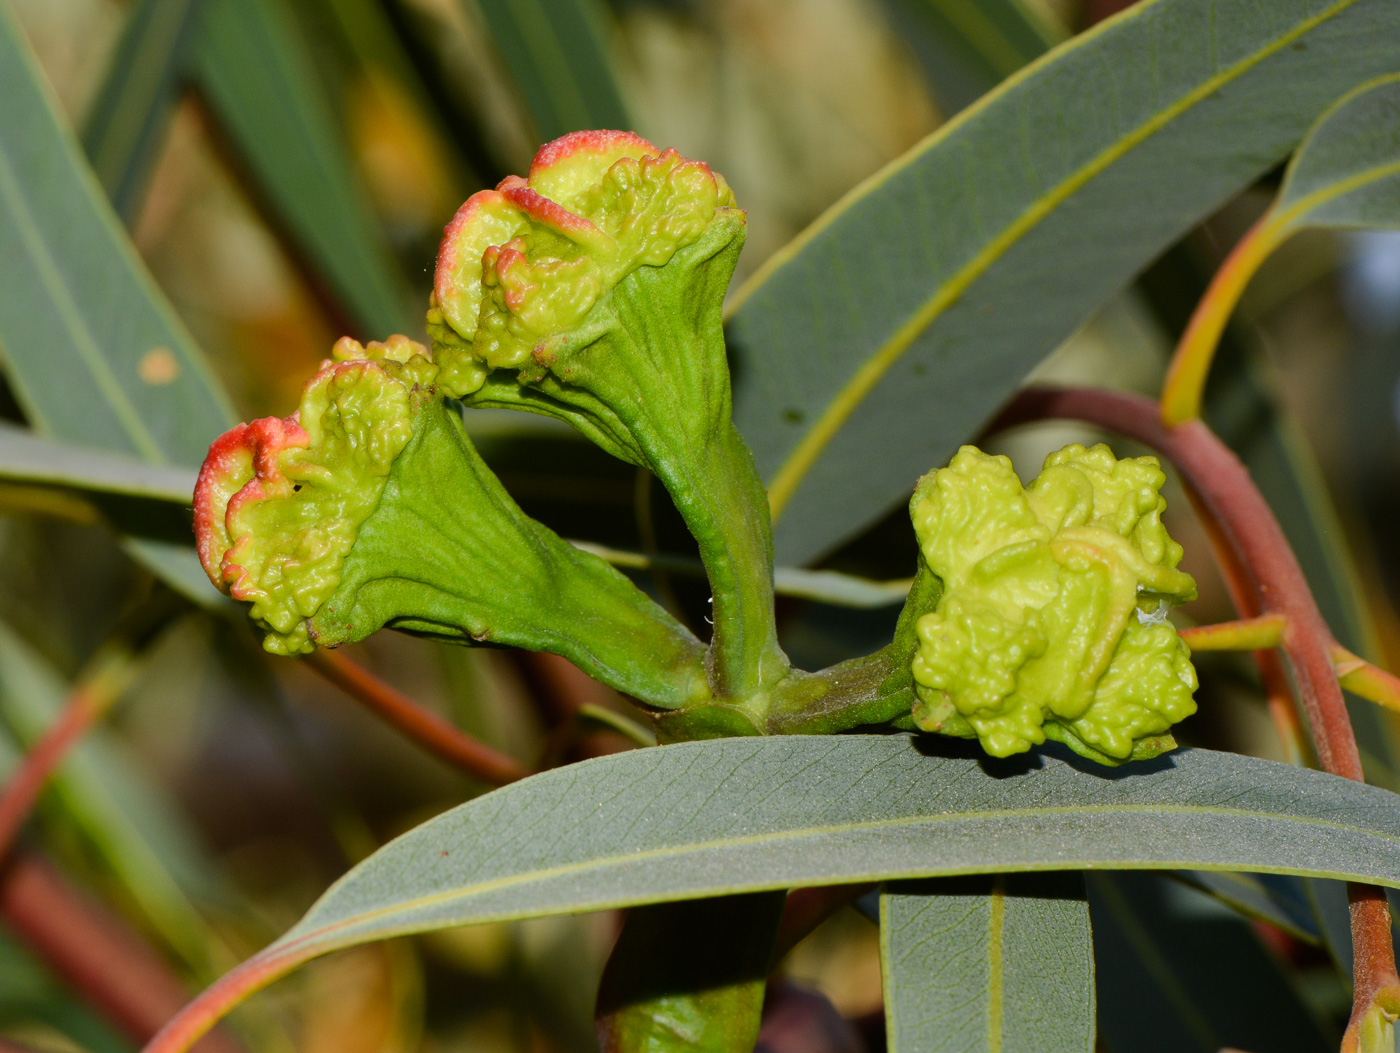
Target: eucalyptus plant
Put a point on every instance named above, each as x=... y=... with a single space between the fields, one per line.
x=980 y=781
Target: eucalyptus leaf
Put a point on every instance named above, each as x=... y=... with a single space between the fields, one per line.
x=962 y=264
x=988 y=963
x=1347 y=171
x=558 y=55
x=1280 y=899
x=28 y=458
x=128 y=122
x=92 y=349
x=738 y=815
x=254 y=69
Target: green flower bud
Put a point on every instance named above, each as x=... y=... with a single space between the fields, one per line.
x=592 y=292
x=369 y=507
x=280 y=501
x=1052 y=619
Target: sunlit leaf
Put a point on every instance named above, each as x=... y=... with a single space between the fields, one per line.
x=1347 y=171
x=128 y=122
x=557 y=54
x=26 y=457
x=961 y=265
x=95 y=354
x=984 y=963
x=252 y=66
x=1179 y=973
x=741 y=815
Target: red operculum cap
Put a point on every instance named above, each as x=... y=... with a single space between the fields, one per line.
x=486 y=218
x=556 y=217
x=242 y=466
x=600 y=149
x=577 y=161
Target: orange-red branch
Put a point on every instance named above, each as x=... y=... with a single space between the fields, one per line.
x=89 y=700
x=423 y=726
x=1247 y=524
x=1186 y=376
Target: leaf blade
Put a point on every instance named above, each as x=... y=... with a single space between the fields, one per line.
x=901 y=291
x=79 y=314
x=988 y=964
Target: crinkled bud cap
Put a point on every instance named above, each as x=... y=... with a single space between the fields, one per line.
x=522 y=266
x=1052 y=619
x=279 y=501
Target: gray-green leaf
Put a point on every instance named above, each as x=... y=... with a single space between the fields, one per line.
x=961 y=265
x=1001 y=963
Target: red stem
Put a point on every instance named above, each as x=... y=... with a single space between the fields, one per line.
x=94 y=953
x=422 y=726
x=1227 y=492
x=17 y=799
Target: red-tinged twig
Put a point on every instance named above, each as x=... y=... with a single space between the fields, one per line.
x=806 y=908
x=1225 y=489
x=89 y=701
x=1362 y=678
x=1190 y=364
x=1278 y=693
x=95 y=953
x=424 y=727
x=1248 y=634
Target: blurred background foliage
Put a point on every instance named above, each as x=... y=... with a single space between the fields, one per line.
x=285 y=168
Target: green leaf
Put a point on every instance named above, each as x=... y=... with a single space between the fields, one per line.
x=128 y=122
x=961 y=265
x=1179 y=973
x=26 y=457
x=1280 y=899
x=743 y=815
x=95 y=354
x=557 y=54
x=1347 y=171
x=1001 y=963
x=968 y=46
x=254 y=69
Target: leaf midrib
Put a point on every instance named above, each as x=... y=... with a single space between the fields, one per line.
x=679 y=851
x=789 y=476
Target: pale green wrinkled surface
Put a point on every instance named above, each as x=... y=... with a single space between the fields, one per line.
x=527 y=280
x=980 y=963
x=1052 y=606
x=293 y=542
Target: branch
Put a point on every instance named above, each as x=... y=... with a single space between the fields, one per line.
x=94 y=953
x=1247 y=634
x=422 y=726
x=89 y=700
x=1247 y=524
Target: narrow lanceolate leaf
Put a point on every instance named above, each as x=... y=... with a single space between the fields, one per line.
x=127 y=124
x=967 y=47
x=744 y=815
x=95 y=354
x=961 y=265
x=254 y=69
x=1347 y=172
x=1180 y=974
x=1002 y=964
x=558 y=56
x=25 y=457
x=1279 y=899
